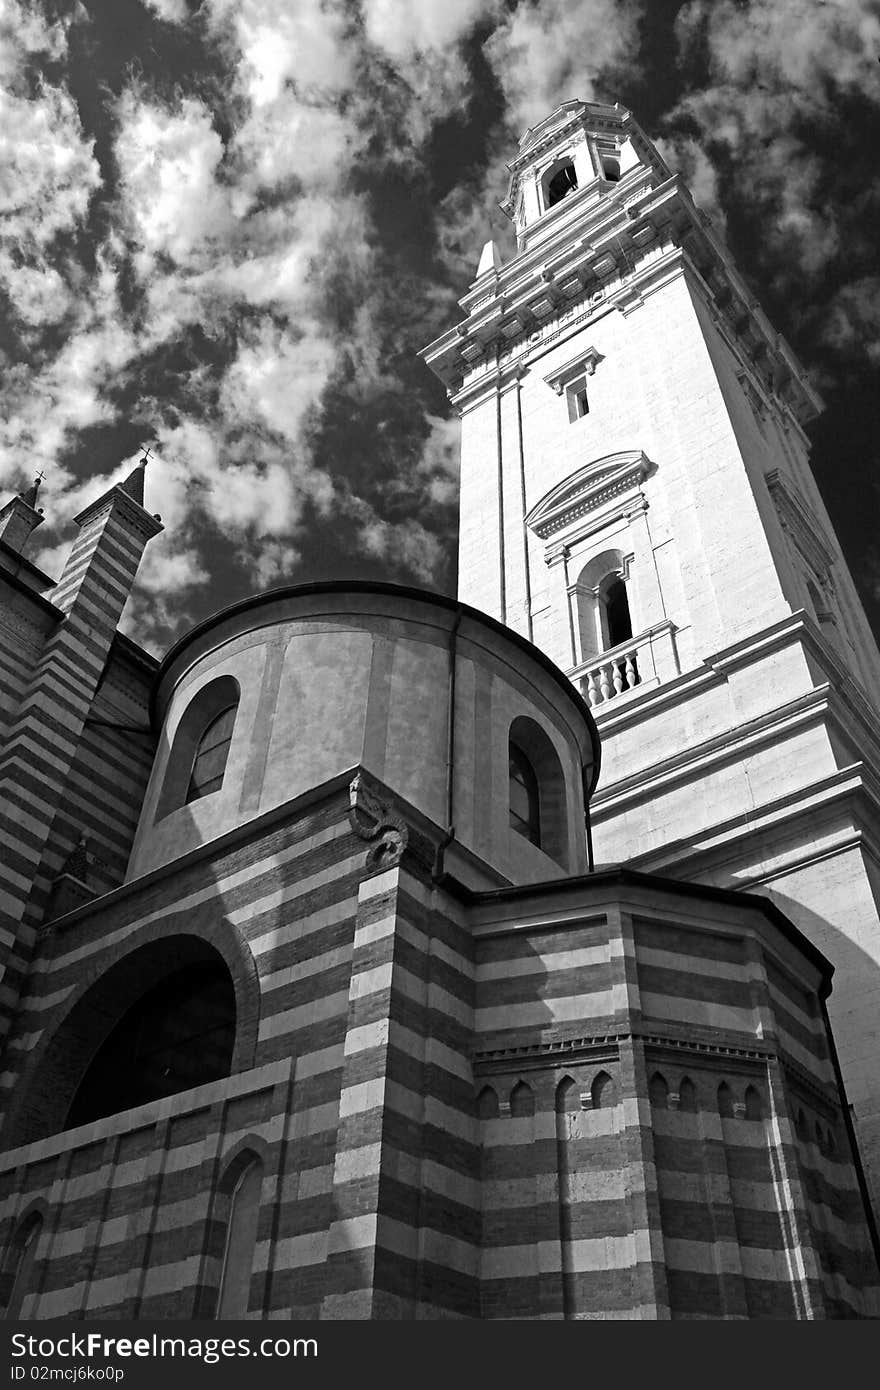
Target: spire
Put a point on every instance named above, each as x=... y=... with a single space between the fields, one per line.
x=30 y=497
x=20 y=516
x=134 y=483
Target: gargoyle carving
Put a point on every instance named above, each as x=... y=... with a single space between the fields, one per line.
x=376 y=820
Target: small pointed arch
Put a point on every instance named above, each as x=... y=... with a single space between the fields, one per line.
x=658 y=1091
x=200 y=750
x=537 y=793
x=820 y=1137
x=754 y=1106
x=522 y=1101
x=240 y=1190
x=687 y=1096
x=487 y=1104
x=800 y=1124
x=832 y=1140
x=725 y=1101
x=603 y=1092
x=18 y=1270
x=568 y=1098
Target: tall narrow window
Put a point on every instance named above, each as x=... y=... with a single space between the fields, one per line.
x=20 y=1264
x=525 y=805
x=578 y=404
x=212 y=752
x=241 y=1241
x=617 y=619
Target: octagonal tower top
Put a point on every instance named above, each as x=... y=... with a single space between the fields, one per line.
x=570 y=160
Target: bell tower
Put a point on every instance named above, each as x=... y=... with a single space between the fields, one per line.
x=636 y=498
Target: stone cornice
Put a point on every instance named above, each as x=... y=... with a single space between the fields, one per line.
x=801 y=523
x=586 y=490
x=603 y=256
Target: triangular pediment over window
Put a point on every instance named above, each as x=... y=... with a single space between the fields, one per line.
x=590 y=487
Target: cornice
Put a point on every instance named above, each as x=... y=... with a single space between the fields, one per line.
x=586 y=490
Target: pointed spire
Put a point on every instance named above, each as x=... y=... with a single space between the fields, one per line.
x=30 y=497
x=20 y=516
x=134 y=483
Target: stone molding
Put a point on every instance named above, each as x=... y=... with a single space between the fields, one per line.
x=586 y=490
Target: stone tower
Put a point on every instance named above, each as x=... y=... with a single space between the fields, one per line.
x=636 y=498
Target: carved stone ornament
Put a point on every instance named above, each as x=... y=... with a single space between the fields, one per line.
x=376 y=820
x=586 y=490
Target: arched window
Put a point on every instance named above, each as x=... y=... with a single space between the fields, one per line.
x=687 y=1095
x=487 y=1104
x=604 y=623
x=754 y=1110
x=200 y=751
x=525 y=804
x=522 y=1101
x=561 y=183
x=537 y=800
x=568 y=1100
x=177 y=1035
x=800 y=1126
x=603 y=1092
x=212 y=752
x=725 y=1101
x=233 y=1298
x=19 y=1270
x=658 y=1091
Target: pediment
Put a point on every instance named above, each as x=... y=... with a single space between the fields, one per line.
x=590 y=487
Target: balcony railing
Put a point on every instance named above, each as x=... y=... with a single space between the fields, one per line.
x=642 y=661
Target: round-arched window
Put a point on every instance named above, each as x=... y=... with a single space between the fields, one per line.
x=563 y=182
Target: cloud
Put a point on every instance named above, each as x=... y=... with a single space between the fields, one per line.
x=548 y=51
x=777 y=74
x=172 y=11
x=168 y=163
x=852 y=320
x=48 y=174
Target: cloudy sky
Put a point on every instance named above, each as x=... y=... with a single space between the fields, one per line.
x=228 y=226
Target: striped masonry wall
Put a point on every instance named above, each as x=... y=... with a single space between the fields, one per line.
x=639 y=1157
x=43 y=738
x=281 y=912
x=463 y=1105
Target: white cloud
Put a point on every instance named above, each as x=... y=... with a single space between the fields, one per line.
x=306 y=43
x=48 y=175
x=776 y=70
x=25 y=30
x=172 y=11
x=402 y=28
x=552 y=51
x=168 y=165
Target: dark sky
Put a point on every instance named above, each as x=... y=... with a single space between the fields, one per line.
x=228 y=227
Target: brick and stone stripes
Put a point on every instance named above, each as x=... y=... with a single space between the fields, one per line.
x=131 y=1203
x=406 y=1228
x=45 y=734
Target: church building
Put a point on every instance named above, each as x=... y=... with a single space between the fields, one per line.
x=381 y=954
